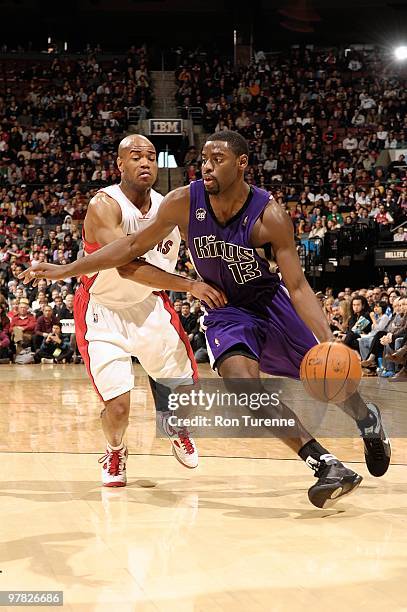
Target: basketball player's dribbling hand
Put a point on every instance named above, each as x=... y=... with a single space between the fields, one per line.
x=211 y=296
x=43 y=270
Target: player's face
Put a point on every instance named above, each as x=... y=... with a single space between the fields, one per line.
x=221 y=167
x=138 y=166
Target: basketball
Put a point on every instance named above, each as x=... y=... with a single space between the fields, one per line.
x=330 y=372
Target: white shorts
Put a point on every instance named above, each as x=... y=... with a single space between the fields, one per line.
x=151 y=331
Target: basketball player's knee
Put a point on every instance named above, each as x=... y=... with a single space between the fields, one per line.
x=233 y=370
x=117 y=409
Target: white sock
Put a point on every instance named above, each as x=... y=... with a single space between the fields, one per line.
x=115 y=448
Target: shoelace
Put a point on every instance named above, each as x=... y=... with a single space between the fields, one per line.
x=321 y=469
x=183 y=435
x=115 y=462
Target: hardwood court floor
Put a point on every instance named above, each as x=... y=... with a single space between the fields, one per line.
x=236 y=534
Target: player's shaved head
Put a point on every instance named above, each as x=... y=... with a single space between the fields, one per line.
x=134 y=142
x=137 y=163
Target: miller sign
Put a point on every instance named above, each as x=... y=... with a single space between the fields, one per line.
x=391 y=256
x=165 y=127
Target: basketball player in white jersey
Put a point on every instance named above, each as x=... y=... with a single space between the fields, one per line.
x=116 y=318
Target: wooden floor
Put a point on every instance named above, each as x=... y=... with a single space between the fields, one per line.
x=237 y=534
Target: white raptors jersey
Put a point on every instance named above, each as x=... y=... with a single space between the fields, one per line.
x=108 y=288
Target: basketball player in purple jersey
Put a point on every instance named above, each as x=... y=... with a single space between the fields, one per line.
x=266 y=326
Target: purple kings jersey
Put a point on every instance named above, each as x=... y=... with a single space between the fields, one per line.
x=223 y=255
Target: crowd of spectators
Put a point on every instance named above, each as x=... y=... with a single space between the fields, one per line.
x=36 y=323
x=373 y=322
x=60 y=123
x=317 y=122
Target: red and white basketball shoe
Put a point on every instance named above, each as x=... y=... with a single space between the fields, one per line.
x=183 y=446
x=114 y=467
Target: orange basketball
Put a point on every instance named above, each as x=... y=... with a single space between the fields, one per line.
x=330 y=372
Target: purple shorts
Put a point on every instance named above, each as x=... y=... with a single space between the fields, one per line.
x=279 y=340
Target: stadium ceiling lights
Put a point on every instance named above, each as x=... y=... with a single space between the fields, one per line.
x=400 y=53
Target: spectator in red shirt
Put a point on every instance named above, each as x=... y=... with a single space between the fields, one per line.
x=383 y=217
x=23 y=318
x=43 y=326
x=22 y=326
x=11 y=229
x=286 y=146
x=329 y=137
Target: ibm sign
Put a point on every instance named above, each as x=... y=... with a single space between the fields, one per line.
x=165 y=127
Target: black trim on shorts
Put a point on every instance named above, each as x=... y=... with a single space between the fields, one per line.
x=240 y=348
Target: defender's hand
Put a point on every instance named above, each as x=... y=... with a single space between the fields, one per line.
x=212 y=296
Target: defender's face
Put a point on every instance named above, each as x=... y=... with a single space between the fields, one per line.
x=220 y=166
x=138 y=166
